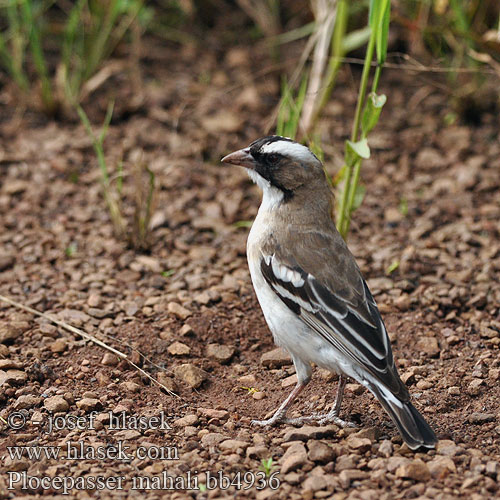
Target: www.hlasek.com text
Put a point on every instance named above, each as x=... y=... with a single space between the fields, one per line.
x=81 y=451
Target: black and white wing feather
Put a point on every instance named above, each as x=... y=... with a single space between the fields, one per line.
x=343 y=313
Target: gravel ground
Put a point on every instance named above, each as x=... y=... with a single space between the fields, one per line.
x=426 y=238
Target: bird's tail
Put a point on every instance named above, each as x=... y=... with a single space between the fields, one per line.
x=414 y=430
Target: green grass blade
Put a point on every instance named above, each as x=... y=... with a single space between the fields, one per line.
x=119 y=178
x=383 y=32
x=18 y=36
x=378 y=21
x=97 y=142
x=355 y=39
x=297 y=106
x=293 y=35
x=13 y=69
x=72 y=52
x=133 y=12
x=113 y=204
x=284 y=110
x=290 y=108
x=372 y=112
x=105 y=20
x=37 y=53
x=107 y=121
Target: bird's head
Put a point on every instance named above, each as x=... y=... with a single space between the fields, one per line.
x=278 y=163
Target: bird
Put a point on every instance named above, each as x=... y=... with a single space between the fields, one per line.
x=314 y=298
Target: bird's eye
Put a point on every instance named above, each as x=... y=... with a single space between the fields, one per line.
x=273 y=159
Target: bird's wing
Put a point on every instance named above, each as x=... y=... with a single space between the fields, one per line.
x=316 y=276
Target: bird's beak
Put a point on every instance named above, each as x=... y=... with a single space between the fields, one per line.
x=242 y=157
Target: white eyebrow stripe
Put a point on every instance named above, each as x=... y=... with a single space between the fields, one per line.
x=290 y=149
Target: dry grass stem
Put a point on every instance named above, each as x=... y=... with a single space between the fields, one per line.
x=88 y=337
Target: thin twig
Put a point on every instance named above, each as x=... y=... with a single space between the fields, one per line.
x=325 y=12
x=132 y=348
x=417 y=65
x=88 y=337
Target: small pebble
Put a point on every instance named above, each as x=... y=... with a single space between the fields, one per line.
x=178 y=349
x=56 y=404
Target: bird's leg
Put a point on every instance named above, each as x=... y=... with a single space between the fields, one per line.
x=335 y=411
x=333 y=414
x=279 y=415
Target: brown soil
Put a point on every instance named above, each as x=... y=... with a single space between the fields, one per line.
x=431 y=206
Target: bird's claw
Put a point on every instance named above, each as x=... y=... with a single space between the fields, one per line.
x=280 y=419
x=320 y=419
x=264 y=423
x=283 y=420
x=328 y=419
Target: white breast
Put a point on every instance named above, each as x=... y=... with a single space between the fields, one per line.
x=278 y=317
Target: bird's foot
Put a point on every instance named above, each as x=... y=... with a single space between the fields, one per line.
x=277 y=418
x=334 y=419
x=285 y=420
x=282 y=419
x=300 y=420
x=263 y=423
x=321 y=419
